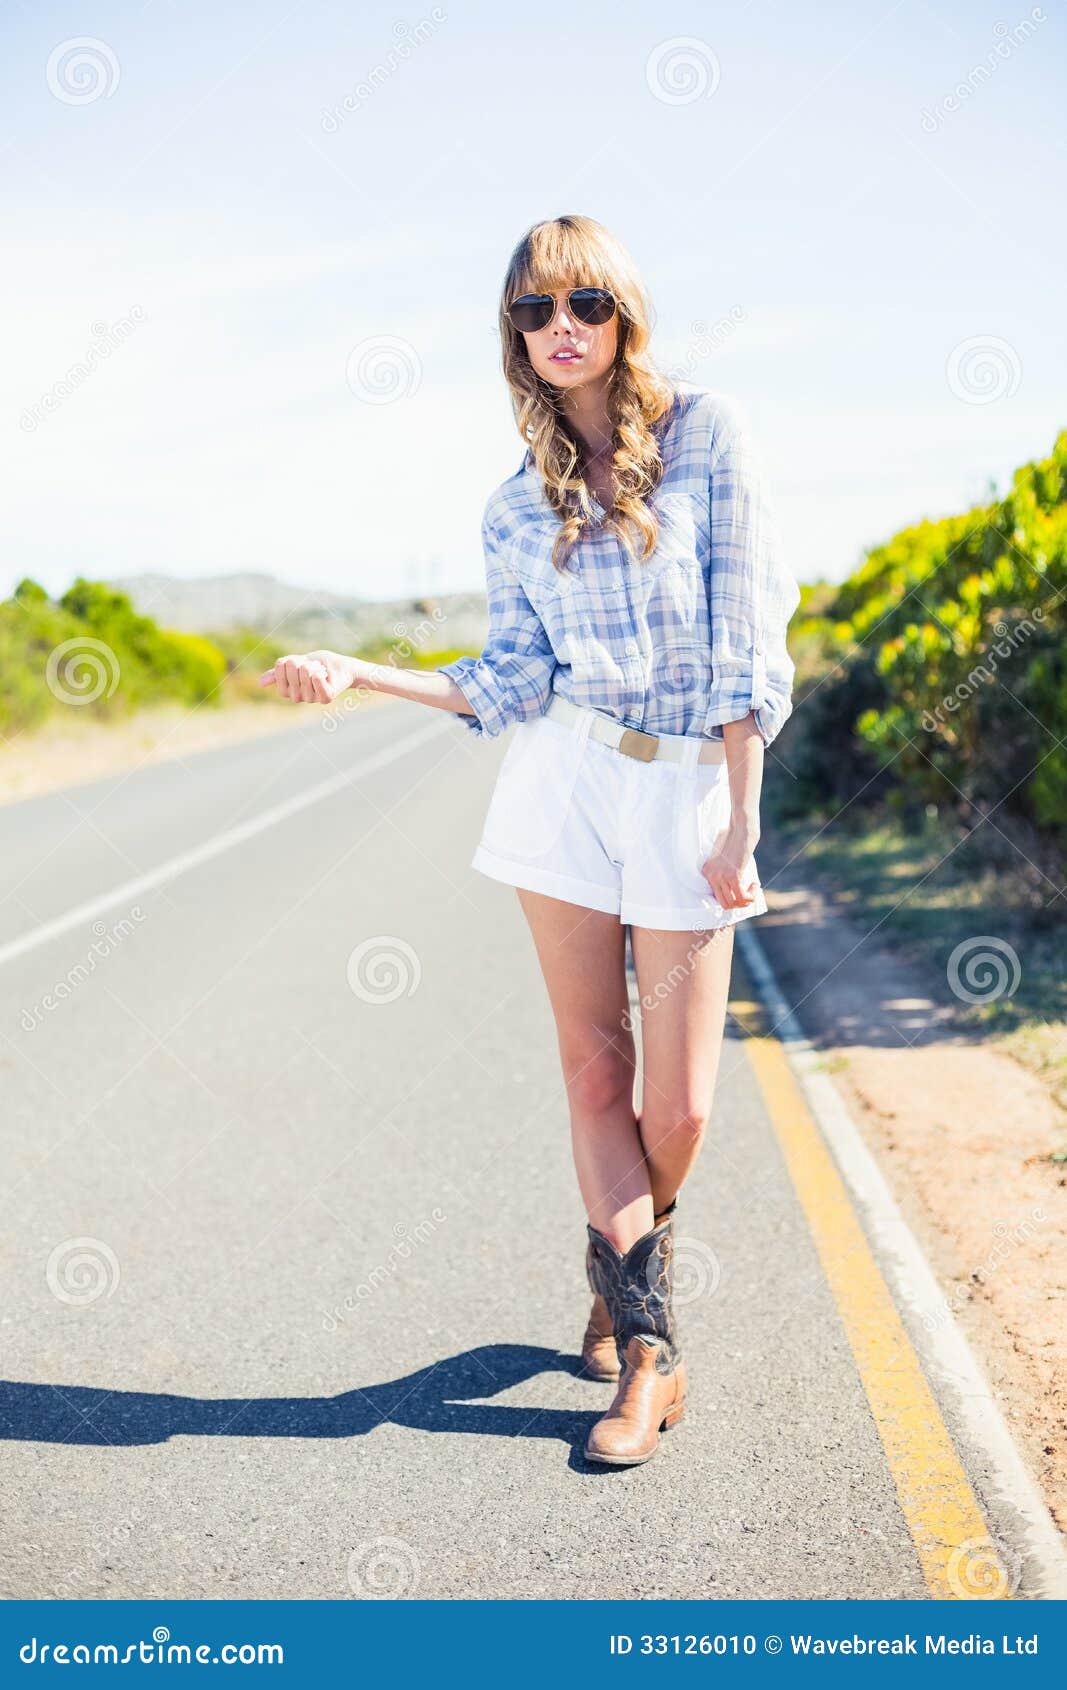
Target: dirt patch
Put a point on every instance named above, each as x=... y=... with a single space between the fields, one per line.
x=962 y=1132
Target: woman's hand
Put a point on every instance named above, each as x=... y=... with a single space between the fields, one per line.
x=315 y=678
x=730 y=870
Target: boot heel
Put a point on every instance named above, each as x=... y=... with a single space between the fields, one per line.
x=673 y=1415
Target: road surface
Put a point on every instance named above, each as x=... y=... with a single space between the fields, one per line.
x=292 y=1245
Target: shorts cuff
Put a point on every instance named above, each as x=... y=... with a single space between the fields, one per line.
x=691 y=921
x=534 y=879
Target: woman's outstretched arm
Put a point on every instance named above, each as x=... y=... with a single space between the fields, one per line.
x=509 y=682
x=318 y=677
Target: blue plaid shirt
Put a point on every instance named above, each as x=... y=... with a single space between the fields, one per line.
x=691 y=637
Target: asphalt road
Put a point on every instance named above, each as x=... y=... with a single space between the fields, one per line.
x=292 y=1245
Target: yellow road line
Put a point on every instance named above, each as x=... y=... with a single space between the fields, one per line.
x=958 y=1558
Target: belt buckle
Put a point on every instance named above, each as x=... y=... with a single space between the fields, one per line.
x=634 y=743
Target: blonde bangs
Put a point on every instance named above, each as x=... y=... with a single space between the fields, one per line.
x=559 y=256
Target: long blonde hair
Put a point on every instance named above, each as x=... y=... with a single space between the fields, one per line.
x=552 y=256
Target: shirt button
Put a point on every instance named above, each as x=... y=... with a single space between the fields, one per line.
x=631 y=646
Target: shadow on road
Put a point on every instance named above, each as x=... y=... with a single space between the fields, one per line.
x=433 y=1399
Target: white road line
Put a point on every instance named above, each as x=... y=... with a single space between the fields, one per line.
x=946 y=1355
x=186 y=860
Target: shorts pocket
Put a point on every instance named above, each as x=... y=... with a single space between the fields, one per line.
x=534 y=788
x=701 y=813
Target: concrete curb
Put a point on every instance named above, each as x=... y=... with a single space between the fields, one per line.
x=947 y=1357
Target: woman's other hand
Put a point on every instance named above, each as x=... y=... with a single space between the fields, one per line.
x=730 y=870
x=316 y=678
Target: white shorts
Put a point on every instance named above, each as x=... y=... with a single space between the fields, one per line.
x=582 y=821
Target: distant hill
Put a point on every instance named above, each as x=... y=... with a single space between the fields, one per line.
x=306 y=616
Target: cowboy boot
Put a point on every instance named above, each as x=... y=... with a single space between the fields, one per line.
x=650 y=1396
x=599 y=1356
x=599 y=1360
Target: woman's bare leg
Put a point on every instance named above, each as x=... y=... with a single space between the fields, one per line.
x=582 y=954
x=683 y=982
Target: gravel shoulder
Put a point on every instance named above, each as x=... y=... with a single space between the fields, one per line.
x=965 y=1134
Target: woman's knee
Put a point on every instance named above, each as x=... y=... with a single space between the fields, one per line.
x=683 y=1127
x=597 y=1078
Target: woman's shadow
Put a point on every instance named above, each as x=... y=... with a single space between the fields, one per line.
x=433 y=1399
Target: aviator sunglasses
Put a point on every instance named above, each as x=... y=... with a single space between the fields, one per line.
x=533 y=311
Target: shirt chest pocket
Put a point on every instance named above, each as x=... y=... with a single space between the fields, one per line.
x=557 y=595
x=684 y=529
x=672 y=585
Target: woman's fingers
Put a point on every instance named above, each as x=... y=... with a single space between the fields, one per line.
x=732 y=896
x=302 y=680
x=729 y=890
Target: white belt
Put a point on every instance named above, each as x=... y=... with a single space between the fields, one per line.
x=632 y=742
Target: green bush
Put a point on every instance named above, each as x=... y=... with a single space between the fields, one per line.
x=91 y=651
x=941 y=663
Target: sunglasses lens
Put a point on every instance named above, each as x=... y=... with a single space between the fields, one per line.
x=592 y=305
x=531 y=312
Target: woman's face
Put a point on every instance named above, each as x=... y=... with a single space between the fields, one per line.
x=569 y=353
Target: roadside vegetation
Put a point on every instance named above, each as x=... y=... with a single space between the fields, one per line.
x=90 y=649
x=924 y=774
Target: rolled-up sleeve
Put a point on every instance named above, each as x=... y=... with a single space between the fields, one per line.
x=512 y=679
x=751 y=594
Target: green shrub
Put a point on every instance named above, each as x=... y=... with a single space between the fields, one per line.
x=92 y=652
x=941 y=663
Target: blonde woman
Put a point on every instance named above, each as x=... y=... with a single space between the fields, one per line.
x=638 y=612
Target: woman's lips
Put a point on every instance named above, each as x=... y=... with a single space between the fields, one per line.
x=565 y=356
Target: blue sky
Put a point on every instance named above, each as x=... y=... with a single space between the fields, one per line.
x=209 y=207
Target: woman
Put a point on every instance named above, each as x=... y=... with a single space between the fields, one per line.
x=637 y=637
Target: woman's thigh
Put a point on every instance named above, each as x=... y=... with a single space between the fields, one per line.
x=683 y=982
x=582 y=953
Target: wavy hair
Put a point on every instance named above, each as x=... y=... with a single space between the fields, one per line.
x=552 y=257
